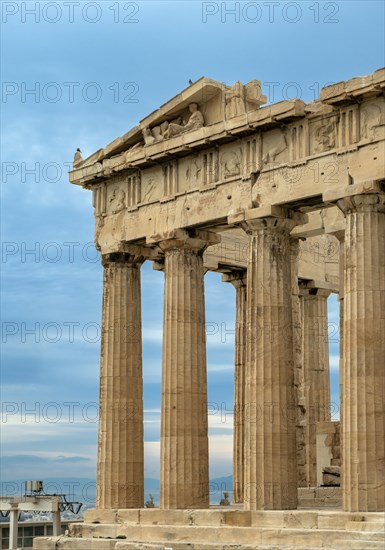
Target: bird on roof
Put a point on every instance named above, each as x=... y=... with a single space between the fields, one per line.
x=78 y=159
x=190 y=81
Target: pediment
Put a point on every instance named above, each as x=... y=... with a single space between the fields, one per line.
x=215 y=102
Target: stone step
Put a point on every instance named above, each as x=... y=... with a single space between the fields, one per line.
x=362 y=545
x=301 y=536
x=320 y=498
x=304 y=519
x=373 y=526
x=356 y=545
x=218 y=529
x=66 y=543
x=240 y=518
x=316 y=503
x=200 y=546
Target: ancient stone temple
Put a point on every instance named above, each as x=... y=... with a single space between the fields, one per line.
x=287 y=202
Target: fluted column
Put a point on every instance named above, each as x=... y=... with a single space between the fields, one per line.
x=184 y=478
x=340 y=235
x=270 y=410
x=120 y=470
x=299 y=384
x=239 y=282
x=316 y=370
x=364 y=352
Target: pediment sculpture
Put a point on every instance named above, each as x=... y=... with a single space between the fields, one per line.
x=175 y=127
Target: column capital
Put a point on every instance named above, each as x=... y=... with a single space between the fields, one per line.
x=313 y=291
x=237 y=278
x=122 y=259
x=374 y=202
x=126 y=253
x=192 y=239
x=268 y=217
x=338 y=234
x=356 y=197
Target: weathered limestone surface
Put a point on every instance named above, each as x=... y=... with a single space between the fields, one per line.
x=299 y=381
x=184 y=477
x=216 y=530
x=210 y=161
x=316 y=370
x=328 y=441
x=271 y=412
x=120 y=473
x=364 y=352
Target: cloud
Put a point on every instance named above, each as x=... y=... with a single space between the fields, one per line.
x=36 y=210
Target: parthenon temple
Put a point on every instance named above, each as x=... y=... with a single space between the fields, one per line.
x=287 y=202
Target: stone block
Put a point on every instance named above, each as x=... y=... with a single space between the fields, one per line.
x=241 y=518
x=100 y=515
x=128 y=515
x=331 y=476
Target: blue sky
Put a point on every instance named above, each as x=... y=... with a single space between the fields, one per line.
x=95 y=73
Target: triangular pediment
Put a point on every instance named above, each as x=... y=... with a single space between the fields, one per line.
x=214 y=101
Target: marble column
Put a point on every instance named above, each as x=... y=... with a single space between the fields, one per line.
x=299 y=384
x=270 y=405
x=120 y=470
x=340 y=235
x=363 y=403
x=184 y=477
x=316 y=370
x=239 y=282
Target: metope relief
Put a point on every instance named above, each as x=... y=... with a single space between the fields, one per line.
x=275 y=147
x=151 y=184
x=190 y=172
x=323 y=135
x=231 y=164
x=116 y=198
x=372 y=121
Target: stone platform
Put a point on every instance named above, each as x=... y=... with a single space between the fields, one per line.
x=219 y=529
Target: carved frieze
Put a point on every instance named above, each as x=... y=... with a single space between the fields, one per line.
x=240 y=99
x=241 y=156
x=231 y=164
x=275 y=146
x=116 y=195
x=152 y=184
x=190 y=173
x=175 y=127
x=322 y=134
x=372 y=120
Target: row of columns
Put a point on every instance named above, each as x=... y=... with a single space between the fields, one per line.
x=265 y=441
